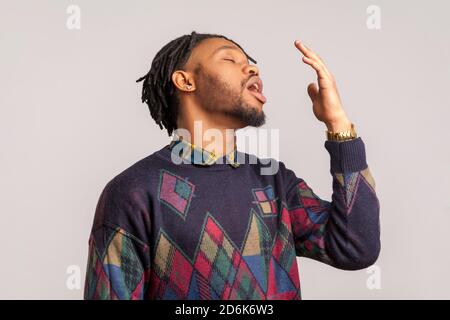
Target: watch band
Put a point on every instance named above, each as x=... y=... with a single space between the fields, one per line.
x=343 y=135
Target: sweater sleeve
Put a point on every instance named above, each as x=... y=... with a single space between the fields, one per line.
x=118 y=264
x=343 y=233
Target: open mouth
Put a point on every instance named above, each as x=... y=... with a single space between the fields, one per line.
x=255 y=88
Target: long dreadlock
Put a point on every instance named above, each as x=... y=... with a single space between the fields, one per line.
x=158 y=91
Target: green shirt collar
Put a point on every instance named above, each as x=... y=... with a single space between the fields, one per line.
x=197 y=155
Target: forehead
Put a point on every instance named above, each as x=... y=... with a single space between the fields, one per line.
x=207 y=48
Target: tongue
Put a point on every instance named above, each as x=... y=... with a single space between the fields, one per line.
x=258 y=95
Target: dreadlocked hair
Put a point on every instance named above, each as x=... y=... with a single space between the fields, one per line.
x=158 y=91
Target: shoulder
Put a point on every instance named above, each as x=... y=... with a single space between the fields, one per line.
x=125 y=200
x=135 y=180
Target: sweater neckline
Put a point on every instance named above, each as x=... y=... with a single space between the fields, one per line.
x=165 y=153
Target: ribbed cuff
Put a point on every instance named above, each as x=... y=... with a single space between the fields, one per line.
x=346 y=156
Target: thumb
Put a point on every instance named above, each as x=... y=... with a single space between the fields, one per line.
x=312 y=91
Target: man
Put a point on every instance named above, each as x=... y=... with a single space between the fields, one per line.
x=197 y=221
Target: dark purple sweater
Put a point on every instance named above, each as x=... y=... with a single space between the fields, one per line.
x=188 y=231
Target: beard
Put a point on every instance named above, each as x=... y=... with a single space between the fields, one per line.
x=218 y=96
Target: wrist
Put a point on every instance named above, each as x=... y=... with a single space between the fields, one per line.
x=339 y=126
x=342 y=135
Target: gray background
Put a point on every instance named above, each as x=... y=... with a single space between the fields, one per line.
x=71 y=119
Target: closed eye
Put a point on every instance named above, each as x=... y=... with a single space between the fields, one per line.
x=229 y=60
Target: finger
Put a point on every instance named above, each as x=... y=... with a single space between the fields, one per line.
x=311 y=54
x=307 y=51
x=321 y=73
x=313 y=91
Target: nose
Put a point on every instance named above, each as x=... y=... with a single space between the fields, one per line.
x=252 y=69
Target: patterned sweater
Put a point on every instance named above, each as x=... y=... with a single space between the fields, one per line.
x=164 y=230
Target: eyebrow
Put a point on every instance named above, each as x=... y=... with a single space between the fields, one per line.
x=225 y=47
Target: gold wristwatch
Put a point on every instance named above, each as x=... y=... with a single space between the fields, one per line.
x=342 y=136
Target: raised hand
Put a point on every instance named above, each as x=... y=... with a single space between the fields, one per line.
x=327 y=106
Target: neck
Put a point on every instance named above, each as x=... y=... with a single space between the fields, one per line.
x=213 y=135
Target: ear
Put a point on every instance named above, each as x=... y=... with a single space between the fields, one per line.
x=183 y=81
